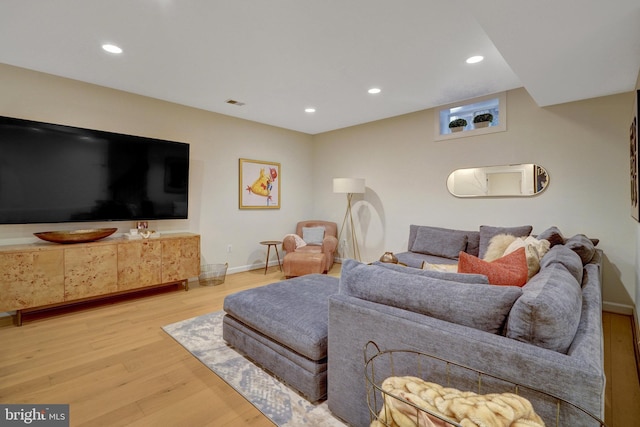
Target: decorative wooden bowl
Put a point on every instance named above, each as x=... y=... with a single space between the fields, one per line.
x=76 y=236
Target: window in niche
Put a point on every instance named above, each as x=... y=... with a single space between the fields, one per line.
x=492 y=107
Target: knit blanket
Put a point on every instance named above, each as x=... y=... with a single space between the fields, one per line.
x=466 y=408
x=299 y=242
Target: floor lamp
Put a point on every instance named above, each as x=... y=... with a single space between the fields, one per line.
x=350 y=186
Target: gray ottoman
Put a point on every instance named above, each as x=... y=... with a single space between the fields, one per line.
x=283 y=328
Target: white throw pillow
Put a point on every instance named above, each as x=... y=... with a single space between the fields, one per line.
x=453 y=268
x=313 y=235
x=497 y=246
x=299 y=240
x=534 y=249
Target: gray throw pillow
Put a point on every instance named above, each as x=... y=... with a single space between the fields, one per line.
x=479 y=306
x=548 y=312
x=313 y=235
x=439 y=242
x=553 y=235
x=583 y=246
x=487 y=232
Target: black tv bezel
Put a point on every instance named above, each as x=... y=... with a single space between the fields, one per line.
x=112 y=137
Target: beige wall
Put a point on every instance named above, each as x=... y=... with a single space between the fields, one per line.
x=217 y=142
x=583 y=145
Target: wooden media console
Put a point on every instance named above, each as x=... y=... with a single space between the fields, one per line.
x=44 y=275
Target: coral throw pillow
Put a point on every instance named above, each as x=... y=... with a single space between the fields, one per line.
x=510 y=270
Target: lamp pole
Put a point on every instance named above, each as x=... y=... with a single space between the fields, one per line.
x=354 y=239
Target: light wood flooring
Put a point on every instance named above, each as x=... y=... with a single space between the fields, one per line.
x=115 y=366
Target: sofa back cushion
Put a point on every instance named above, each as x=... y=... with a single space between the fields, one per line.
x=439 y=242
x=475 y=305
x=472 y=238
x=548 y=312
x=561 y=254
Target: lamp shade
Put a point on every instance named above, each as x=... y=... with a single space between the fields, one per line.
x=348 y=185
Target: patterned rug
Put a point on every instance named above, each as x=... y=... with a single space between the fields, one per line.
x=202 y=337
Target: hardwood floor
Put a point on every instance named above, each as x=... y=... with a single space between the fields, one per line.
x=115 y=366
x=622 y=395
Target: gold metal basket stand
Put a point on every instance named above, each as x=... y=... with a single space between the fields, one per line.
x=380 y=365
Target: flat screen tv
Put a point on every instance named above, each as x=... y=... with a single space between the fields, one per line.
x=53 y=173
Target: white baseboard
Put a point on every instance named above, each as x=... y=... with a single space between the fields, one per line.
x=616 y=308
x=249 y=267
x=636 y=337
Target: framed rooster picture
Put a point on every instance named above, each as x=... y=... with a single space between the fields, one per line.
x=259 y=184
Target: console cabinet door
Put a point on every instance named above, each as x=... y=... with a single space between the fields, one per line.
x=31 y=279
x=90 y=271
x=180 y=259
x=139 y=264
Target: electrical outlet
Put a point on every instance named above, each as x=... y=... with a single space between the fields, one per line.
x=229 y=248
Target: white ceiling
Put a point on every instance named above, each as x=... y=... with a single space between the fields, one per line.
x=281 y=56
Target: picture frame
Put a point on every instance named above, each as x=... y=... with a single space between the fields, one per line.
x=259 y=184
x=541 y=179
x=634 y=182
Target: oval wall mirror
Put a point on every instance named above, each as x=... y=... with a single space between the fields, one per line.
x=523 y=180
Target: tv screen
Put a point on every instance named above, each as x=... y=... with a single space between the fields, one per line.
x=54 y=173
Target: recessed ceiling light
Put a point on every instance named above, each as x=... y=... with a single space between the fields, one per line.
x=474 y=59
x=310 y=110
x=374 y=90
x=111 y=48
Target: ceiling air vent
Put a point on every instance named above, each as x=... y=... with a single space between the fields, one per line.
x=234 y=102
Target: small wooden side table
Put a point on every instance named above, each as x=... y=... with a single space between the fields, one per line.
x=275 y=244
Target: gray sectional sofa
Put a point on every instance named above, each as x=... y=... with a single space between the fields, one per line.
x=546 y=335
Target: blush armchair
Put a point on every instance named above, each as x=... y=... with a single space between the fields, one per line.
x=311 y=249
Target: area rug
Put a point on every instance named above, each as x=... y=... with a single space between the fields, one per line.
x=202 y=337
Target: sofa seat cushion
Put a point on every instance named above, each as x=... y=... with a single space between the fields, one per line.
x=548 y=312
x=475 y=305
x=292 y=312
x=510 y=270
